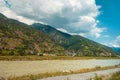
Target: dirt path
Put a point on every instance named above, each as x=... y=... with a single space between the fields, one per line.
x=82 y=76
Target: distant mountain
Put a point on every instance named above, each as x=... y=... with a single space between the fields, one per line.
x=17 y=38
x=117 y=49
x=75 y=44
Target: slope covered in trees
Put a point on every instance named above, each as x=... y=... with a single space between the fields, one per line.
x=75 y=44
x=17 y=38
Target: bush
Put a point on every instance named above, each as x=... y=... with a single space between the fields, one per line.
x=98 y=67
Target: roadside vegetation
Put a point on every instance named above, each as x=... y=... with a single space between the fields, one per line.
x=114 y=76
x=45 y=75
x=31 y=58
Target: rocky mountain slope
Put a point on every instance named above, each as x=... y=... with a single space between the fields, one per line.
x=117 y=49
x=17 y=38
x=75 y=44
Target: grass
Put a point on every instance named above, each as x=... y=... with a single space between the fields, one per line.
x=31 y=58
x=97 y=77
x=114 y=76
x=44 y=75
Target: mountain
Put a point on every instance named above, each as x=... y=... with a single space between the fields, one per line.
x=117 y=49
x=75 y=44
x=17 y=38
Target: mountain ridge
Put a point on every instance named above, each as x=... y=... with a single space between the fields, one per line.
x=117 y=49
x=79 y=45
x=17 y=38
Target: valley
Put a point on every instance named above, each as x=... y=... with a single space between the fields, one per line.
x=59 y=40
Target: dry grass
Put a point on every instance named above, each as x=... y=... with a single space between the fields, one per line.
x=44 y=75
x=112 y=76
x=31 y=58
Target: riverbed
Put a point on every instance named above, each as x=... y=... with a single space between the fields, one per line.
x=20 y=68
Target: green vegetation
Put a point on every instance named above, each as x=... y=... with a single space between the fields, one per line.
x=74 y=44
x=44 y=75
x=20 y=39
x=32 y=57
x=98 y=67
x=114 y=76
x=97 y=77
x=117 y=50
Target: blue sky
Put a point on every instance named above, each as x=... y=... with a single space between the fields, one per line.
x=97 y=20
x=110 y=19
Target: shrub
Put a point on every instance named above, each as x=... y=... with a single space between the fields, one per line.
x=98 y=67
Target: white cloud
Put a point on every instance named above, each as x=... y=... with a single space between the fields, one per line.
x=82 y=34
x=115 y=43
x=74 y=16
x=65 y=31
x=9 y=13
x=118 y=38
x=96 y=31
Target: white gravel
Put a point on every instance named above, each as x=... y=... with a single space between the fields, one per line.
x=20 y=68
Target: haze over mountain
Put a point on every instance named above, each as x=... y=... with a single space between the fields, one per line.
x=117 y=49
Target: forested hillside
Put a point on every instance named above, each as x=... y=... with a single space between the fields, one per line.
x=75 y=44
x=17 y=38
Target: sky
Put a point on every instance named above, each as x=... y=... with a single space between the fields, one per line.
x=97 y=20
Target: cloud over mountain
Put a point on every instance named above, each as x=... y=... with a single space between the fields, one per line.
x=116 y=42
x=74 y=16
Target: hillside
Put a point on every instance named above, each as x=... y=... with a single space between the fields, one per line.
x=75 y=44
x=117 y=49
x=17 y=38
